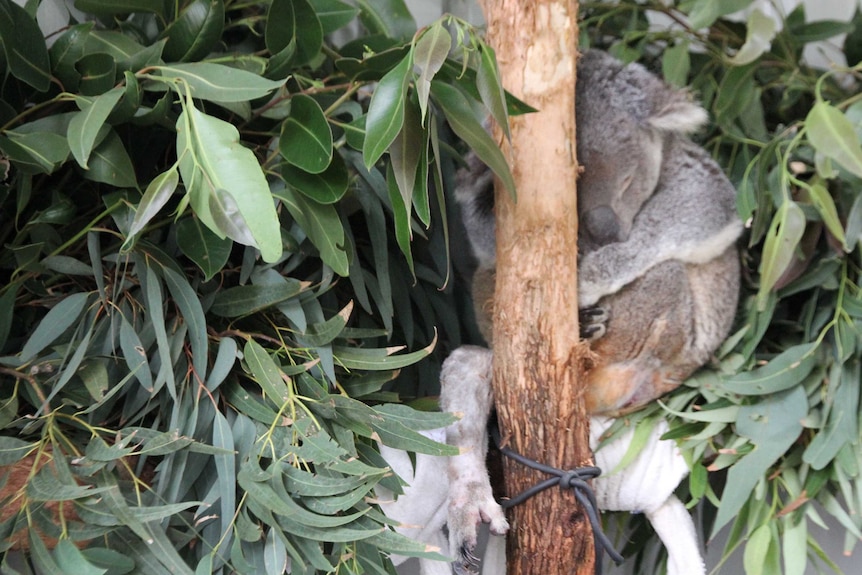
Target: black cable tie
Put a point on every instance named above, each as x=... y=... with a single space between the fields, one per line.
x=574 y=479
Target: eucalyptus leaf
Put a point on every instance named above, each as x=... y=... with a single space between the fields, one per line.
x=60 y=318
x=244 y=300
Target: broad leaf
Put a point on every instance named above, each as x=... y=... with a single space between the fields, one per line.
x=217 y=82
x=25 y=52
x=832 y=134
x=386 y=112
x=216 y=168
x=306 y=139
x=195 y=32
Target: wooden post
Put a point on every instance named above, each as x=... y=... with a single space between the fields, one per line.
x=537 y=352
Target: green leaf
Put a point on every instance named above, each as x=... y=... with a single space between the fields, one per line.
x=306 y=139
x=325 y=188
x=333 y=14
x=110 y=163
x=218 y=83
x=460 y=116
x=734 y=94
x=135 y=355
x=490 y=87
x=293 y=23
x=779 y=247
x=25 y=52
x=676 y=63
x=401 y=212
x=833 y=135
x=195 y=32
x=189 y=304
x=97 y=73
x=7 y=313
x=430 y=53
x=35 y=152
x=155 y=197
x=386 y=112
x=820 y=30
x=118 y=6
x=115 y=563
x=266 y=372
x=773 y=424
x=274 y=554
x=13 y=450
x=841 y=427
x=322 y=225
x=388 y=17
x=379 y=359
x=406 y=152
x=756 y=550
x=67 y=265
x=392 y=542
x=202 y=246
x=225 y=181
x=60 y=318
x=245 y=300
x=786 y=370
x=828 y=212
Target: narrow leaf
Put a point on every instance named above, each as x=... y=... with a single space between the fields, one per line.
x=386 y=112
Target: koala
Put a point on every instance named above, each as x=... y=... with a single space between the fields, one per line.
x=658 y=271
x=658 y=281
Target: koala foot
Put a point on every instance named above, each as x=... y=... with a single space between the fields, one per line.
x=593 y=322
x=469 y=505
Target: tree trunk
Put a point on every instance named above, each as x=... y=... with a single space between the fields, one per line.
x=537 y=352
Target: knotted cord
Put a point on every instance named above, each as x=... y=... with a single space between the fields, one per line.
x=574 y=479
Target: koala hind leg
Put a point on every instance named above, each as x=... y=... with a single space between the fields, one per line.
x=465 y=389
x=646 y=349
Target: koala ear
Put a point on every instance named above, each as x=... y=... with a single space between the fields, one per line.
x=677 y=113
x=658 y=104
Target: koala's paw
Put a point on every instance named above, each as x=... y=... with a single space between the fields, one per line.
x=593 y=322
x=469 y=505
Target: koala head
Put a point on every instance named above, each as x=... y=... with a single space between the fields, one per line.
x=624 y=116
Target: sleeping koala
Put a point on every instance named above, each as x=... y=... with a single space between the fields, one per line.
x=658 y=277
x=658 y=271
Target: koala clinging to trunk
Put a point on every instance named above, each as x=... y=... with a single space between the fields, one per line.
x=658 y=276
x=658 y=272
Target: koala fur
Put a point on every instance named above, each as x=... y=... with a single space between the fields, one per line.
x=658 y=274
x=658 y=277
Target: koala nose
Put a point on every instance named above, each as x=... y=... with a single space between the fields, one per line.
x=601 y=225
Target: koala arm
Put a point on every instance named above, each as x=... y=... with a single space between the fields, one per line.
x=690 y=218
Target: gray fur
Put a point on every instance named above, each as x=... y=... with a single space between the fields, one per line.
x=656 y=239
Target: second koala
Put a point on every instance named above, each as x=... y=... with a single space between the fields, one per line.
x=658 y=271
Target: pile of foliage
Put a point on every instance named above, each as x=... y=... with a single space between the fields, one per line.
x=777 y=419
x=216 y=243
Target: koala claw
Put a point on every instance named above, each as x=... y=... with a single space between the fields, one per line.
x=467 y=562
x=473 y=505
x=593 y=322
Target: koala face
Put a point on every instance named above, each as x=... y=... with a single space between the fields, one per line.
x=624 y=116
x=620 y=172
